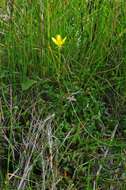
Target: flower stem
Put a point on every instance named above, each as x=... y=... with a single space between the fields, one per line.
x=59 y=63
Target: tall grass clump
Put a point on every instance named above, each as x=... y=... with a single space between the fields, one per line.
x=62 y=94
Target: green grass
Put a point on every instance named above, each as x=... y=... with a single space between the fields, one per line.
x=63 y=116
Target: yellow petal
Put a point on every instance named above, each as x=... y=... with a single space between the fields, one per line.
x=54 y=40
x=58 y=38
x=64 y=40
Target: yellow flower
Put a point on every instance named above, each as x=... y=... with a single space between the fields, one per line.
x=58 y=40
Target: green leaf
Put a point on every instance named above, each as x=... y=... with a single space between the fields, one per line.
x=27 y=84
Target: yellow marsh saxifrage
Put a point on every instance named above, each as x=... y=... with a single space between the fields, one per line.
x=58 y=40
